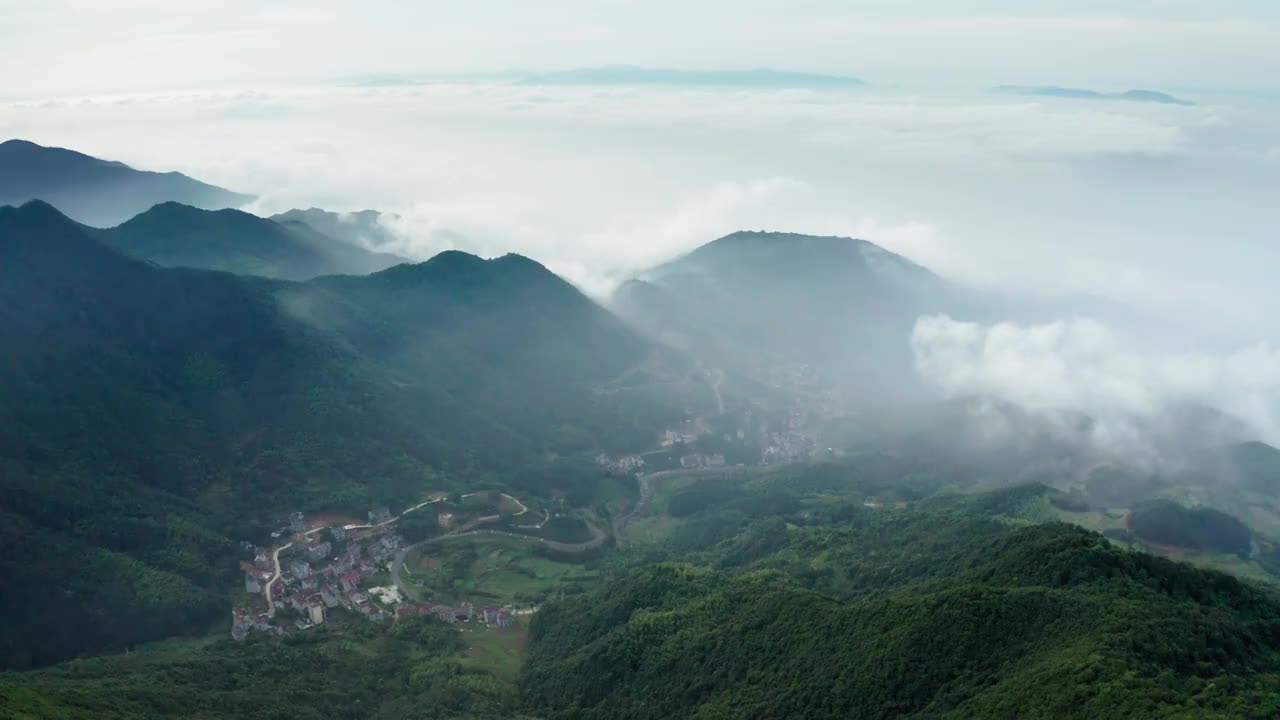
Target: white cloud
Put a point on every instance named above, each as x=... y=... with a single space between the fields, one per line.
x=1167 y=206
x=1081 y=365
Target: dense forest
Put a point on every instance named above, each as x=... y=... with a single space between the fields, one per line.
x=153 y=417
x=361 y=671
x=953 y=608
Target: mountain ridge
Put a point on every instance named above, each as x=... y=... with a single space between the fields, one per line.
x=97 y=192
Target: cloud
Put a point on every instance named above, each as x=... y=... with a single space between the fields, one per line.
x=599 y=182
x=1080 y=365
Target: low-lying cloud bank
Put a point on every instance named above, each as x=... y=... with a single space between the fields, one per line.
x=1080 y=365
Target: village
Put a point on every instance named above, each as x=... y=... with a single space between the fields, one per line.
x=334 y=571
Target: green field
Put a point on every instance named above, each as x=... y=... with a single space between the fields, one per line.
x=492 y=569
x=498 y=652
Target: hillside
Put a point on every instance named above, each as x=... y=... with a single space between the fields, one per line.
x=97 y=192
x=154 y=416
x=758 y=303
x=414 y=668
x=1047 y=621
x=177 y=235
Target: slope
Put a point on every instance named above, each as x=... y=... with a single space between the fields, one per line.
x=177 y=235
x=757 y=303
x=1046 y=621
x=101 y=193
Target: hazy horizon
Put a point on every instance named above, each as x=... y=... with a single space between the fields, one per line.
x=1161 y=209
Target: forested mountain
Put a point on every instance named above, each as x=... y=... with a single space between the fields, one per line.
x=97 y=192
x=954 y=608
x=154 y=415
x=176 y=235
x=752 y=301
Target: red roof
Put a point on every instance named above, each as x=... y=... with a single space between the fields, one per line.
x=404 y=610
x=351 y=575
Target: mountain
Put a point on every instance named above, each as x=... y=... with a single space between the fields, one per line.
x=363 y=228
x=1149 y=96
x=154 y=416
x=631 y=75
x=940 y=611
x=761 y=302
x=97 y=192
x=177 y=235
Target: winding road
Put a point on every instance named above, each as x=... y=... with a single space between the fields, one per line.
x=598 y=538
x=275 y=554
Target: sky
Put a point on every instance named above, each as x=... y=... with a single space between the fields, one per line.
x=1166 y=208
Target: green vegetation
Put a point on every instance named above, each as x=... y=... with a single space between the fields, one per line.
x=1169 y=523
x=416 y=668
x=495 y=568
x=947 y=610
x=156 y=416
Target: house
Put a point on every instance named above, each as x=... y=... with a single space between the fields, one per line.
x=296 y=522
x=262 y=560
x=379 y=515
x=300 y=568
x=445 y=520
x=320 y=550
x=315 y=612
x=338 y=533
x=247 y=546
x=350 y=580
x=489 y=613
x=504 y=620
x=329 y=597
x=251 y=584
x=343 y=563
x=309 y=583
x=444 y=612
x=465 y=611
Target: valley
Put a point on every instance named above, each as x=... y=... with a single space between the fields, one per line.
x=261 y=464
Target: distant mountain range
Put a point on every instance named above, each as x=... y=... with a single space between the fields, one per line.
x=1147 y=96
x=177 y=235
x=632 y=75
x=628 y=75
x=97 y=192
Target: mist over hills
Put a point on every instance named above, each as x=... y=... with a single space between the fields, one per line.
x=97 y=192
x=754 y=300
x=153 y=415
x=1147 y=96
x=363 y=228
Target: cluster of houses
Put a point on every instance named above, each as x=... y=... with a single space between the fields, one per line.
x=499 y=615
x=315 y=581
x=625 y=465
x=702 y=460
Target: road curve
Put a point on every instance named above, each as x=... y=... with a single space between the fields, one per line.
x=598 y=538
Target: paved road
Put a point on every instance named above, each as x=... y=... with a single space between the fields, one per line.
x=648 y=486
x=275 y=554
